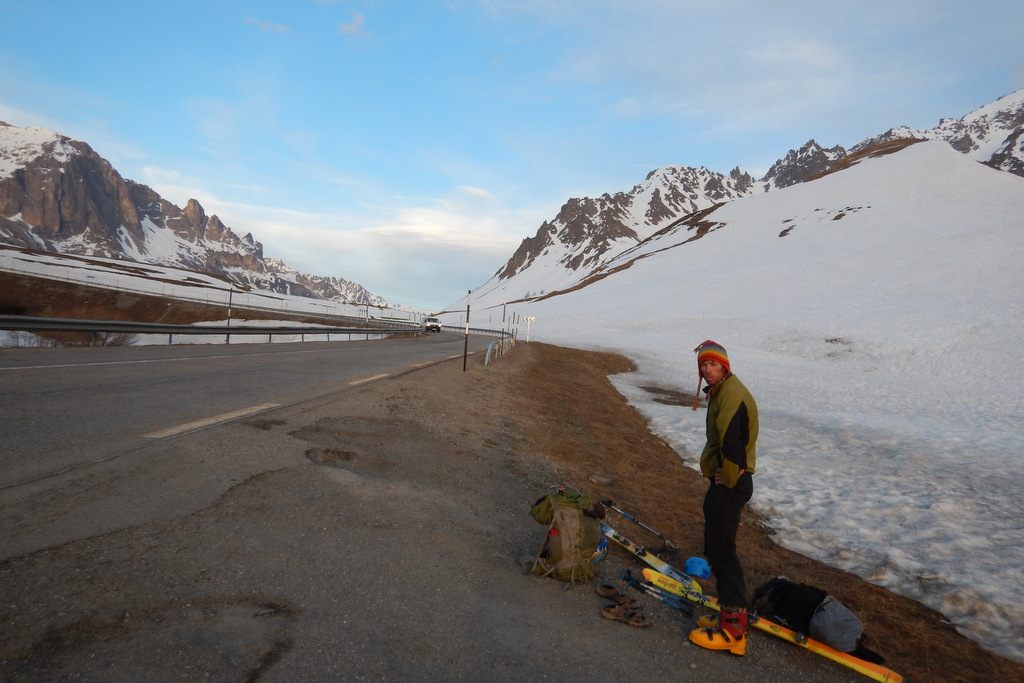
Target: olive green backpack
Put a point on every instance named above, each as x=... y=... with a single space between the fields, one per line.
x=574 y=544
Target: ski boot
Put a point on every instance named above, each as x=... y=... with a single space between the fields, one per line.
x=729 y=634
x=708 y=621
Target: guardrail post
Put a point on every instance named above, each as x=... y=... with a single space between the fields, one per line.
x=465 y=349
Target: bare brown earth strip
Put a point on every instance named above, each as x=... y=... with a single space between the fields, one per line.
x=573 y=417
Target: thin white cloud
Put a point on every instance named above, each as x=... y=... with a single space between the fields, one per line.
x=354 y=27
x=218 y=123
x=476 y=192
x=227 y=123
x=330 y=176
x=269 y=26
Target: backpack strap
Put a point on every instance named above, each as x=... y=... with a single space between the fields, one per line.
x=540 y=561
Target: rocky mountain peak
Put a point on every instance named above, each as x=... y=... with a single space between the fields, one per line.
x=196 y=215
x=742 y=181
x=798 y=165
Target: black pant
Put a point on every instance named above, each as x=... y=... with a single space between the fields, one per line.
x=722 y=508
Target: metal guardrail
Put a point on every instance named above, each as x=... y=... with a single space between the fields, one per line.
x=461 y=329
x=32 y=324
x=498 y=348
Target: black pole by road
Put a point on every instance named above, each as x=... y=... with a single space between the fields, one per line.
x=465 y=349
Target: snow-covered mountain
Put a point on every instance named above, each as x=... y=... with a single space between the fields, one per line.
x=581 y=241
x=586 y=231
x=58 y=195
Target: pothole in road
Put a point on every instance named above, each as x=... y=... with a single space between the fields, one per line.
x=330 y=457
x=266 y=425
x=228 y=639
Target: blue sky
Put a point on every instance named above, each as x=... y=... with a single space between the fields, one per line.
x=410 y=146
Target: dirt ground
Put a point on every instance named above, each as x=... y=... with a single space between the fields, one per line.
x=379 y=534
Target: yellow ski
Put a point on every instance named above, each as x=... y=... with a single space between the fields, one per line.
x=694 y=592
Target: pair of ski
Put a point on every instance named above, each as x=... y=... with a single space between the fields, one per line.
x=668 y=578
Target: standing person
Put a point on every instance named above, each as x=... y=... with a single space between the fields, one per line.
x=728 y=461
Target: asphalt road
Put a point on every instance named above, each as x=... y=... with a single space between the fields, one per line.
x=64 y=408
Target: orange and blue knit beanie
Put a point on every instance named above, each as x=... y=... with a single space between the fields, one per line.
x=709 y=350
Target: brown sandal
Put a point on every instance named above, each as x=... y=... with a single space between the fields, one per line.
x=625 y=601
x=612 y=593
x=622 y=614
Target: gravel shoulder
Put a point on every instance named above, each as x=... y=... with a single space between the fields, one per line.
x=380 y=533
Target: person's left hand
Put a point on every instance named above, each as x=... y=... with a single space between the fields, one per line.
x=720 y=480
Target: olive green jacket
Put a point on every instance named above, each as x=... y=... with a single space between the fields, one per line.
x=731 y=431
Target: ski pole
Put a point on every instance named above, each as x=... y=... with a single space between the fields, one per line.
x=665 y=597
x=668 y=544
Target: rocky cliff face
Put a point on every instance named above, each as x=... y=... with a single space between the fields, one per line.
x=59 y=195
x=63 y=194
